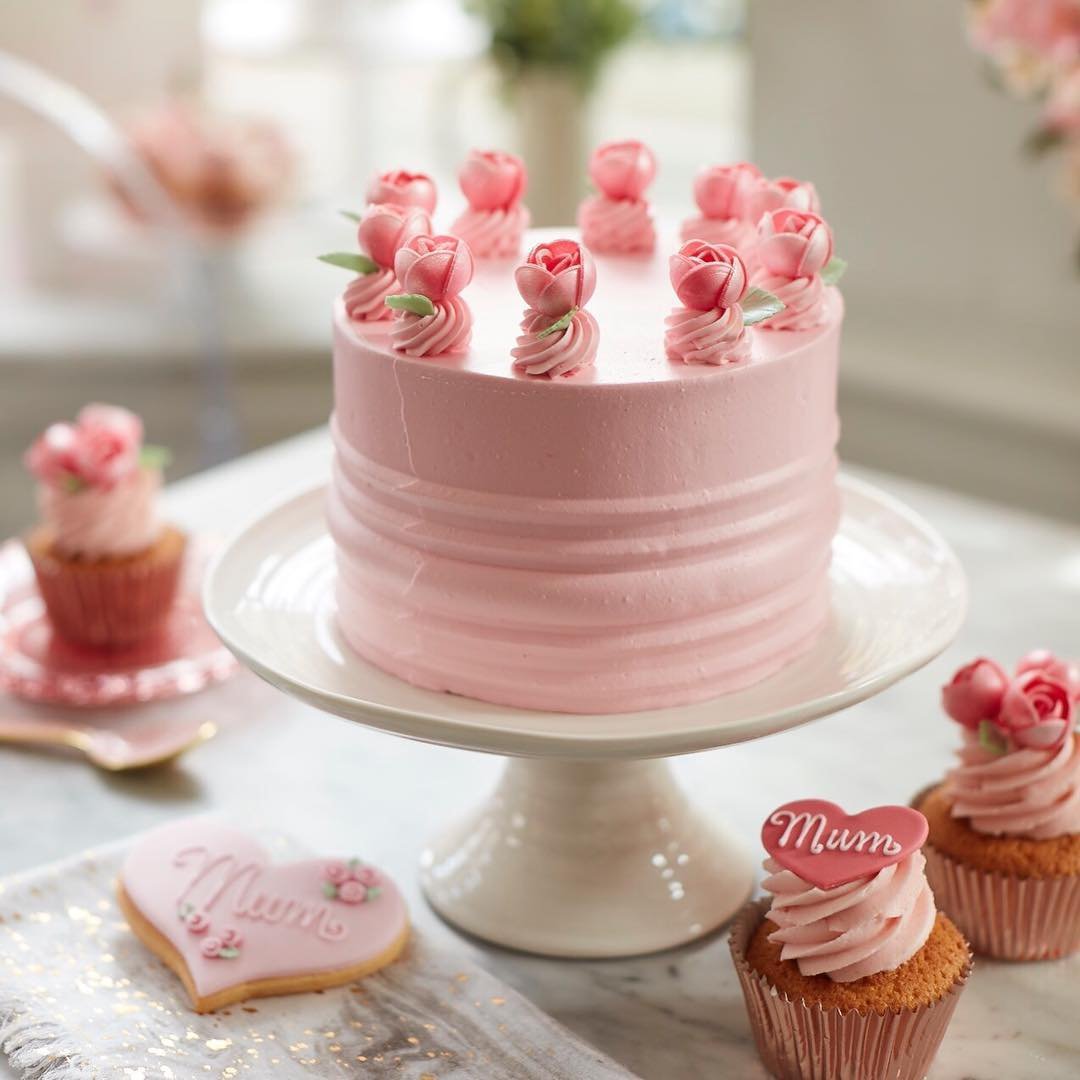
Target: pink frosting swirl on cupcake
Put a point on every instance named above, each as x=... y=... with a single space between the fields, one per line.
x=365 y=296
x=617 y=226
x=448 y=330
x=560 y=353
x=869 y=925
x=1026 y=792
x=707 y=337
x=493 y=234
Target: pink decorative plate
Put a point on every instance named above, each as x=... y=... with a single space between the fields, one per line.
x=37 y=665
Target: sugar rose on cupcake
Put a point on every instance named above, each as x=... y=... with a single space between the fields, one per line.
x=1004 y=847
x=107 y=567
x=493 y=183
x=559 y=337
x=618 y=219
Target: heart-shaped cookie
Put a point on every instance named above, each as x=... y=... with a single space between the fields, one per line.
x=827 y=847
x=233 y=925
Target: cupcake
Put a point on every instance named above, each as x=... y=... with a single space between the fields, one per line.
x=1003 y=855
x=848 y=969
x=107 y=567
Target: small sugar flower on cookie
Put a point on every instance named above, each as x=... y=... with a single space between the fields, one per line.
x=351 y=882
x=226 y=947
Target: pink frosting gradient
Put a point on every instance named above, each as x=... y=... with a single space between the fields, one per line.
x=1030 y=793
x=447 y=331
x=100 y=523
x=488 y=544
x=617 y=226
x=869 y=925
x=565 y=352
x=365 y=296
x=707 y=337
x=493 y=234
x=284 y=923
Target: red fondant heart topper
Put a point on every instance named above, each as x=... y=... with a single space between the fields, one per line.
x=827 y=847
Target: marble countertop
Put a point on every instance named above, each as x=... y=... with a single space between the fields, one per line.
x=337 y=785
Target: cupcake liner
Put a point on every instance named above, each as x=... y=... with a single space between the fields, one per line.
x=1007 y=917
x=797 y=1041
x=108 y=604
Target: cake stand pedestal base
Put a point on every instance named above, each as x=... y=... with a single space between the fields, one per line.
x=587 y=859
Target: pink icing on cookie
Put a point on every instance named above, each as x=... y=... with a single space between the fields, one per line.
x=275 y=916
x=870 y=924
x=827 y=847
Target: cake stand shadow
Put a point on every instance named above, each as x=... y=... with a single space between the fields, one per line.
x=588 y=847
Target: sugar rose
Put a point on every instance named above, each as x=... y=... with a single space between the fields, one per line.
x=707 y=276
x=403 y=188
x=975 y=693
x=622 y=170
x=556 y=277
x=1036 y=711
x=492 y=180
x=721 y=191
x=384 y=227
x=437 y=267
x=793 y=243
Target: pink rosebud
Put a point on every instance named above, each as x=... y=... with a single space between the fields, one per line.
x=352 y=892
x=403 y=188
x=975 y=693
x=384 y=227
x=492 y=180
x=336 y=872
x=622 y=170
x=707 y=276
x=556 y=277
x=721 y=190
x=437 y=267
x=1050 y=28
x=1066 y=672
x=210 y=947
x=793 y=243
x=763 y=195
x=232 y=939
x=198 y=922
x=51 y=457
x=367 y=876
x=108 y=440
x=1036 y=711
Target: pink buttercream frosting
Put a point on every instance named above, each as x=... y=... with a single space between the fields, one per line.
x=802 y=299
x=863 y=927
x=739 y=234
x=563 y=352
x=99 y=523
x=1026 y=792
x=493 y=234
x=706 y=337
x=365 y=296
x=617 y=226
x=448 y=330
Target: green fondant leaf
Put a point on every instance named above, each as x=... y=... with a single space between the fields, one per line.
x=228 y=953
x=991 y=739
x=414 y=302
x=155 y=457
x=71 y=483
x=560 y=323
x=351 y=215
x=329 y=890
x=834 y=270
x=758 y=305
x=351 y=260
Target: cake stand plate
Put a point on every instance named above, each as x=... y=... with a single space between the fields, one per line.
x=588 y=847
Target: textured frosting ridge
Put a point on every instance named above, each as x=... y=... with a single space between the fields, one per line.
x=739 y=234
x=365 y=295
x=448 y=330
x=493 y=234
x=101 y=523
x=802 y=299
x=869 y=925
x=1027 y=792
x=560 y=353
x=707 y=337
x=617 y=226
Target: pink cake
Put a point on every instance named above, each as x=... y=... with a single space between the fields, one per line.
x=641 y=532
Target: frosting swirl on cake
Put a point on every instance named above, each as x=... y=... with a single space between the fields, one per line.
x=1028 y=792
x=707 y=337
x=802 y=299
x=493 y=234
x=738 y=234
x=365 y=296
x=562 y=352
x=447 y=330
x=617 y=226
x=863 y=927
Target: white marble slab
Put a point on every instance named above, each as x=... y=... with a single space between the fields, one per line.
x=336 y=785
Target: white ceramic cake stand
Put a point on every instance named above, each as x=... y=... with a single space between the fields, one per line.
x=588 y=847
